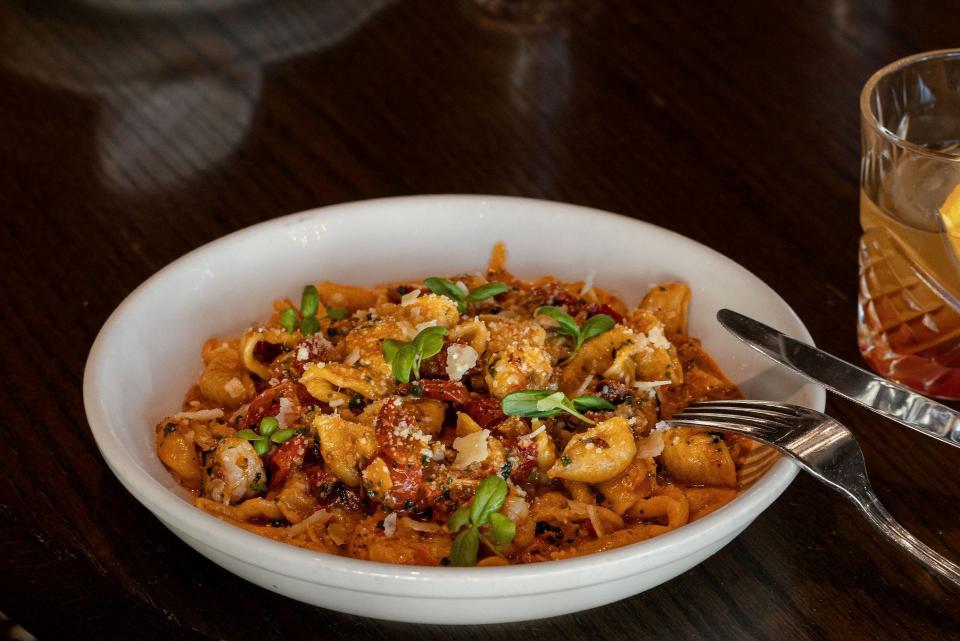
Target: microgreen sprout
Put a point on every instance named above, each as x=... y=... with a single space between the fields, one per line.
x=541 y=403
x=483 y=523
x=337 y=313
x=566 y=325
x=268 y=433
x=405 y=358
x=307 y=320
x=444 y=287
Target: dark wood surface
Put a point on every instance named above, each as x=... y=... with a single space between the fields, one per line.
x=130 y=137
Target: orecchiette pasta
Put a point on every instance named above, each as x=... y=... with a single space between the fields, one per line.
x=362 y=421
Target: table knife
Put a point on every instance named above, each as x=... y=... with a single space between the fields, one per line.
x=880 y=395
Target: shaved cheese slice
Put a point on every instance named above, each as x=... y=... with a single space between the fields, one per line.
x=471 y=448
x=390 y=524
x=594 y=520
x=409 y=297
x=650 y=446
x=460 y=360
x=352 y=357
x=287 y=414
x=588 y=283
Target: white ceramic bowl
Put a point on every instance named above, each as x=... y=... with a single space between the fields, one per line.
x=148 y=353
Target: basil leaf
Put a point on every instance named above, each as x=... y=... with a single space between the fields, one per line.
x=261 y=446
x=444 y=287
x=524 y=403
x=503 y=529
x=429 y=342
x=568 y=326
x=489 y=498
x=390 y=348
x=309 y=301
x=337 y=313
x=288 y=319
x=552 y=402
x=465 y=548
x=249 y=435
x=458 y=519
x=486 y=291
x=309 y=325
x=403 y=362
x=594 y=326
x=588 y=403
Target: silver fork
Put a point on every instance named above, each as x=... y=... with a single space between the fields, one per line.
x=823 y=447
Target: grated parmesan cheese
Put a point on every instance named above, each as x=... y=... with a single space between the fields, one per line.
x=352 y=357
x=337 y=402
x=534 y=433
x=650 y=387
x=460 y=360
x=471 y=448
x=199 y=415
x=303 y=353
x=646 y=385
x=584 y=384
x=656 y=338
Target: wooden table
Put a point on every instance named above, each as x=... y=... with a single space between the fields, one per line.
x=132 y=136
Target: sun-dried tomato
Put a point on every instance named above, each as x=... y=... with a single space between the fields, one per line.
x=593 y=310
x=287 y=457
x=266 y=352
x=526 y=452
x=267 y=403
x=614 y=391
x=451 y=391
x=435 y=367
x=401 y=452
x=322 y=483
x=485 y=410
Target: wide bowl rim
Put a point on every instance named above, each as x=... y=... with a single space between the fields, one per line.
x=383 y=578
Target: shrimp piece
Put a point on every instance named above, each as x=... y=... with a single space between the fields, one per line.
x=233 y=470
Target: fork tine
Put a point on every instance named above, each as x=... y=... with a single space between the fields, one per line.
x=761 y=406
x=780 y=420
x=760 y=424
x=724 y=426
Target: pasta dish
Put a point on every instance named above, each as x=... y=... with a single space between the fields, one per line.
x=477 y=419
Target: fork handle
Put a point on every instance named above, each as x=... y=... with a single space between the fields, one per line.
x=933 y=561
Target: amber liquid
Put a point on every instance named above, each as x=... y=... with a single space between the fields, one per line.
x=909 y=298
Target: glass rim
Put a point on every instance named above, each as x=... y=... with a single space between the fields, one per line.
x=867 y=115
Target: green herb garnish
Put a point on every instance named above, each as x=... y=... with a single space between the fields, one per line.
x=337 y=313
x=268 y=434
x=288 y=319
x=444 y=287
x=307 y=320
x=498 y=531
x=540 y=403
x=594 y=326
x=405 y=358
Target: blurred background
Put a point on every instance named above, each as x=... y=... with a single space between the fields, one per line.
x=133 y=131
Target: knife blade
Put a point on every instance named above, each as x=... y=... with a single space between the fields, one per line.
x=884 y=397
